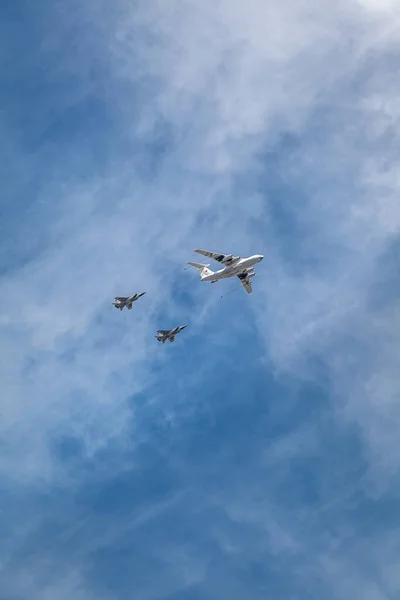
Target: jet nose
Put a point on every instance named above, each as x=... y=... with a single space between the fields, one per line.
x=260 y=257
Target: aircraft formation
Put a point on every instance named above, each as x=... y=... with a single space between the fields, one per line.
x=232 y=266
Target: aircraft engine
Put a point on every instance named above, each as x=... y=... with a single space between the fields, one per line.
x=251 y=275
x=228 y=258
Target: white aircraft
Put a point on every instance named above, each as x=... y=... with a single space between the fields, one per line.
x=168 y=334
x=121 y=301
x=243 y=268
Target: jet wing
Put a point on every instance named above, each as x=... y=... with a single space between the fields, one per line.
x=221 y=258
x=120 y=298
x=163 y=331
x=245 y=281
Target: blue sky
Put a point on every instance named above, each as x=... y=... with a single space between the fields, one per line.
x=258 y=456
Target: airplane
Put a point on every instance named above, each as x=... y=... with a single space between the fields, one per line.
x=121 y=301
x=168 y=334
x=243 y=268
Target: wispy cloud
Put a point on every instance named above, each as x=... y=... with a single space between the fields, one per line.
x=257 y=455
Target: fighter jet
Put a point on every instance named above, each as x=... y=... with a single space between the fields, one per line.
x=168 y=334
x=243 y=268
x=121 y=301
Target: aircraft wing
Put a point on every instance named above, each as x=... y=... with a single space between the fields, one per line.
x=120 y=298
x=222 y=258
x=163 y=331
x=245 y=281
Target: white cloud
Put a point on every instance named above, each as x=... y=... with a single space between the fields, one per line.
x=227 y=80
x=230 y=78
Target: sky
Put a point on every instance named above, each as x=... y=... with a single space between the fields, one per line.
x=257 y=456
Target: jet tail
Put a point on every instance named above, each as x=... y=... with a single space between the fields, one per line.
x=203 y=269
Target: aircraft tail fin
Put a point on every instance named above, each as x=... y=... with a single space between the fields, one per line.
x=203 y=269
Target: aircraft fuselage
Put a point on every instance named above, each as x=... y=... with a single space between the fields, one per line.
x=169 y=335
x=235 y=269
x=128 y=301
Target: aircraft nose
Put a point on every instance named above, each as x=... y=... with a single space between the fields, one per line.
x=260 y=257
